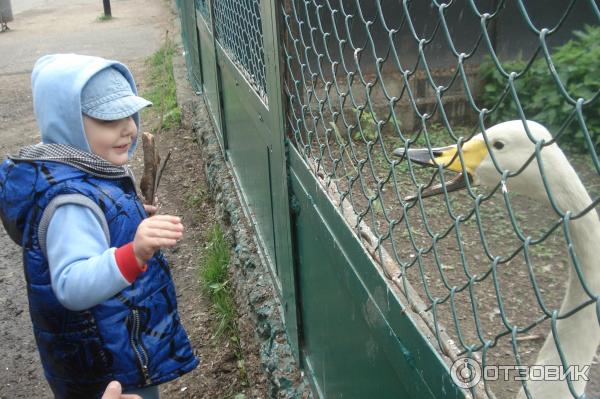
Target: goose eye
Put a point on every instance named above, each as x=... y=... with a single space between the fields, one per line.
x=498 y=145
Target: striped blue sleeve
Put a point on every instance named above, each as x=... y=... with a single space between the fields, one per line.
x=83 y=268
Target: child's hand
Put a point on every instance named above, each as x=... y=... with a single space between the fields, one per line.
x=156 y=232
x=113 y=391
x=150 y=209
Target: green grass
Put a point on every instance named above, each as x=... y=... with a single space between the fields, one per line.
x=214 y=280
x=104 y=18
x=161 y=88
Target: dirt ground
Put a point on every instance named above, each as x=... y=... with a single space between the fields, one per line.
x=135 y=33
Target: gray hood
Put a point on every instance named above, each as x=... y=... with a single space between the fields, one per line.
x=57 y=81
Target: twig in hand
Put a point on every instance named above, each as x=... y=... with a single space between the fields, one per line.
x=160 y=172
x=153 y=168
x=151 y=162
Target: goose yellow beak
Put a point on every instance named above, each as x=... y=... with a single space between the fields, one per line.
x=473 y=152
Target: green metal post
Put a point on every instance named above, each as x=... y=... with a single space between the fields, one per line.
x=276 y=119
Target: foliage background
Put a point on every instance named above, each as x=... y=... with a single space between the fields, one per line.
x=577 y=63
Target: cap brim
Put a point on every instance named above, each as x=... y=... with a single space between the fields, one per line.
x=118 y=108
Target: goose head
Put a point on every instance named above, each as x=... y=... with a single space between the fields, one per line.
x=504 y=147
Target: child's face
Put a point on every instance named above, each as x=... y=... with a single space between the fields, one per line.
x=110 y=140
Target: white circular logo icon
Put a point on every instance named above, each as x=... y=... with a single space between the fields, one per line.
x=465 y=372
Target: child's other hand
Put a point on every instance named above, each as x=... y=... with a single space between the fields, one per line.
x=160 y=231
x=150 y=209
x=113 y=391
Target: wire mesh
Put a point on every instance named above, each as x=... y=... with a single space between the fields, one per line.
x=398 y=104
x=202 y=6
x=239 y=31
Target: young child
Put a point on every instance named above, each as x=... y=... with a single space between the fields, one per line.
x=101 y=297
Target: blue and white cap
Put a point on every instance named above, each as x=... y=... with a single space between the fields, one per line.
x=108 y=96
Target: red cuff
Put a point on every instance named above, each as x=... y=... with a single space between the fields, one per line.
x=127 y=262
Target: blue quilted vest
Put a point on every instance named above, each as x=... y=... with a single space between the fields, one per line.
x=135 y=337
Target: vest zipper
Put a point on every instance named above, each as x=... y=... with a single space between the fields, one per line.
x=139 y=350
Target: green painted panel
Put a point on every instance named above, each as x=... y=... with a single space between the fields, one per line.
x=188 y=29
x=358 y=342
x=210 y=83
x=250 y=155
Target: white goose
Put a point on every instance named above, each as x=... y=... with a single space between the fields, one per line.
x=579 y=334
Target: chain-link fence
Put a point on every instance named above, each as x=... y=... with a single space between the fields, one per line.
x=464 y=138
x=239 y=30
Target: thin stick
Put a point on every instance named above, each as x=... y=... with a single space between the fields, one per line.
x=151 y=162
x=159 y=174
x=162 y=91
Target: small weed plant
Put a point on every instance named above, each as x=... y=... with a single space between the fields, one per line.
x=104 y=18
x=214 y=280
